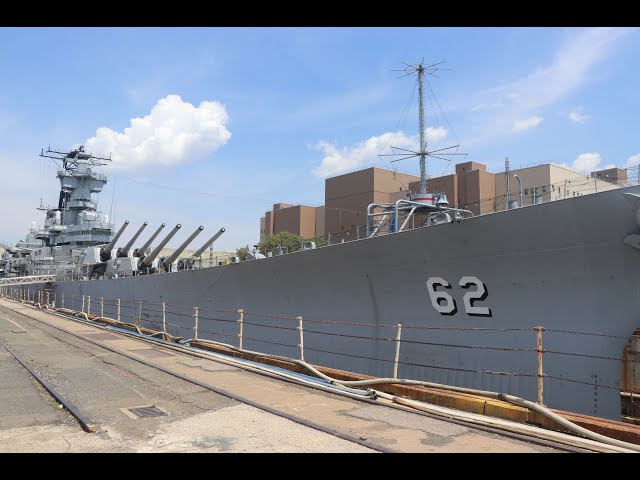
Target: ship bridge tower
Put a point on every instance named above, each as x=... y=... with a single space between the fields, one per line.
x=80 y=223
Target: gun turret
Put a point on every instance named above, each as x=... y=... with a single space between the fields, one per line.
x=139 y=252
x=176 y=253
x=124 y=251
x=105 y=252
x=146 y=262
x=201 y=250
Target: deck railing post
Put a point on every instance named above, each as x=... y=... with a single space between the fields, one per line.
x=62 y=300
x=395 y=362
x=118 y=311
x=539 y=351
x=101 y=307
x=48 y=299
x=195 y=316
x=82 y=304
x=164 y=320
x=139 y=318
x=301 y=346
x=241 y=322
x=89 y=305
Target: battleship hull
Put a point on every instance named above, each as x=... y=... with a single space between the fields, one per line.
x=562 y=265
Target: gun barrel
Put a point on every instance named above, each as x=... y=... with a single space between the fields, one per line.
x=152 y=256
x=106 y=250
x=201 y=250
x=171 y=258
x=125 y=250
x=147 y=244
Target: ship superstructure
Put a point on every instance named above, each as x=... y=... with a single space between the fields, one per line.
x=472 y=294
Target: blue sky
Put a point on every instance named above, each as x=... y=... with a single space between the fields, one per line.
x=213 y=125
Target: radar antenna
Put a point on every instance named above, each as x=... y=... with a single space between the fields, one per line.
x=71 y=158
x=423 y=152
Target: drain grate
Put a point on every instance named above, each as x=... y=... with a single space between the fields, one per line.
x=148 y=411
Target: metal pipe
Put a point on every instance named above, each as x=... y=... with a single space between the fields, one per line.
x=520 y=183
x=176 y=253
x=201 y=250
x=124 y=251
x=138 y=252
x=107 y=249
x=152 y=256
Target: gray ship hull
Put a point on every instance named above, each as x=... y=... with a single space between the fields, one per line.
x=561 y=265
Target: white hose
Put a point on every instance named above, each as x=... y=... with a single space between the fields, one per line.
x=512 y=426
x=616 y=445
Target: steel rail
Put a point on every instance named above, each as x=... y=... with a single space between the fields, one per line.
x=222 y=392
x=158 y=342
x=86 y=425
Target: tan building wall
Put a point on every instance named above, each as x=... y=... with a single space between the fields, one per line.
x=611 y=174
x=320 y=214
x=535 y=180
x=348 y=196
x=472 y=187
x=307 y=221
x=298 y=219
x=268 y=223
x=263 y=231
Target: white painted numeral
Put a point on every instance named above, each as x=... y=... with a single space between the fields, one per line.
x=469 y=297
x=446 y=305
x=449 y=308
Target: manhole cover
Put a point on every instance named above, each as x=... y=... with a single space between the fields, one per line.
x=144 y=412
x=150 y=352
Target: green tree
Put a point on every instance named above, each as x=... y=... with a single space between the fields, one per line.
x=290 y=242
x=241 y=253
x=320 y=241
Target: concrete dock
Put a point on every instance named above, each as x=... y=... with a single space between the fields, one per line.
x=99 y=373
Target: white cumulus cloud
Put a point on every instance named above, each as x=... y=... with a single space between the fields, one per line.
x=527 y=123
x=337 y=160
x=633 y=160
x=578 y=117
x=174 y=132
x=587 y=162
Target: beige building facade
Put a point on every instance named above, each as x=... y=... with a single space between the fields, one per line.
x=471 y=187
x=346 y=198
x=298 y=219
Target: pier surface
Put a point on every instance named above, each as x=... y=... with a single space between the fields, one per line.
x=104 y=375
